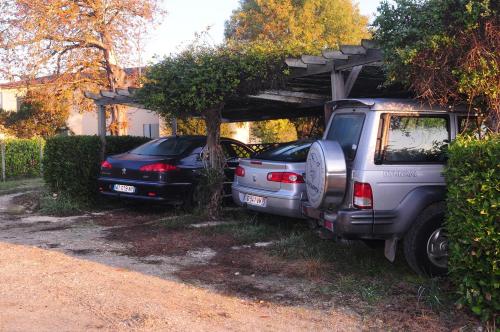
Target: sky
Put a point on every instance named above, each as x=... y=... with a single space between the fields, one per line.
x=185 y=18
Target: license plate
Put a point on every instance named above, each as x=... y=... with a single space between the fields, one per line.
x=124 y=189
x=255 y=200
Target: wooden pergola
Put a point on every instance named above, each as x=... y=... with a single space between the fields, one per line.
x=351 y=71
x=331 y=76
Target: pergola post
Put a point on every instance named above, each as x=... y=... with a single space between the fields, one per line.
x=101 y=128
x=338 y=91
x=174 y=126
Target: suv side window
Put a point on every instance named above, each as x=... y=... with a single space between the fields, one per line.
x=415 y=139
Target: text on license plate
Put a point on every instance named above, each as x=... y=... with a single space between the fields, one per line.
x=255 y=200
x=124 y=189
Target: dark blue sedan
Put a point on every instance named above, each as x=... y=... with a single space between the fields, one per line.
x=165 y=169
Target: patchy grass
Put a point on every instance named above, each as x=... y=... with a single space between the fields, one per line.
x=177 y=222
x=15 y=186
x=248 y=228
x=297 y=269
x=360 y=277
x=60 y=205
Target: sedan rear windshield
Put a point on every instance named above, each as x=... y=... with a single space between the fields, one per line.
x=294 y=152
x=164 y=147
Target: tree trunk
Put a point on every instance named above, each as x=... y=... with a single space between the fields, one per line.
x=116 y=79
x=215 y=162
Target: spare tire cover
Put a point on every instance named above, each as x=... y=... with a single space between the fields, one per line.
x=326 y=174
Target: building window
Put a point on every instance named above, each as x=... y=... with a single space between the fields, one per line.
x=151 y=130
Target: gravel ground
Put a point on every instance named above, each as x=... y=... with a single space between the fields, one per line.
x=62 y=274
x=49 y=291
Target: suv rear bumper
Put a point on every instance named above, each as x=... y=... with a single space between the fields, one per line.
x=349 y=224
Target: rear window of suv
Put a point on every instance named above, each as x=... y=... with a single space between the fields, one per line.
x=346 y=129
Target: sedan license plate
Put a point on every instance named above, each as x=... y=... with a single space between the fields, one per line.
x=124 y=189
x=255 y=200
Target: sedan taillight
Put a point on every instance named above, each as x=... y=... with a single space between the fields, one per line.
x=106 y=165
x=363 y=196
x=285 y=177
x=158 y=167
x=240 y=171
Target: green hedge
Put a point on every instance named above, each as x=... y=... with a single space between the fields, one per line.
x=473 y=223
x=71 y=163
x=22 y=157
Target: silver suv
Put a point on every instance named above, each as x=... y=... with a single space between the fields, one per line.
x=378 y=175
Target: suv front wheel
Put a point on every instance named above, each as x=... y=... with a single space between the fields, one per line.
x=425 y=244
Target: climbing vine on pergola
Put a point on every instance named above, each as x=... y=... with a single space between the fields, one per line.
x=200 y=82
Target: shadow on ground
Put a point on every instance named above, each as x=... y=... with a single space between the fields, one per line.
x=256 y=257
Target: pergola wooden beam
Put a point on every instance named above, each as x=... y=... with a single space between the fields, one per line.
x=352 y=49
x=334 y=55
x=295 y=63
x=290 y=97
x=349 y=58
x=314 y=60
x=371 y=57
x=351 y=79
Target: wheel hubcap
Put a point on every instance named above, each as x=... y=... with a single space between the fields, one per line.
x=437 y=248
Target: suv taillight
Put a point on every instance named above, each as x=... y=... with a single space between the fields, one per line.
x=106 y=165
x=158 y=167
x=240 y=171
x=285 y=177
x=363 y=196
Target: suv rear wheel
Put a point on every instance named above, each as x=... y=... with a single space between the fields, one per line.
x=425 y=244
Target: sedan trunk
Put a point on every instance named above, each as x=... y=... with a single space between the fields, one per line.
x=256 y=172
x=127 y=166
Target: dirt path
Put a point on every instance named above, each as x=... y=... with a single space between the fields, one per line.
x=43 y=290
x=44 y=285
x=147 y=269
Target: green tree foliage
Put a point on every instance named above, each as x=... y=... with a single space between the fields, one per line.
x=195 y=126
x=274 y=131
x=310 y=127
x=199 y=82
x=473 y=223
x=41 y=114
x=296 y=26
x=447 y=51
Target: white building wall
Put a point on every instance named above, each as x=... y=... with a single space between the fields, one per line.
x=9 y=99
x=82 y=123
x=241 y=132
x=86 y=123
x=137 y=118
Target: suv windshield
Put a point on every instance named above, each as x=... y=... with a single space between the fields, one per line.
x=346 y=129
x=171 y=146
x=293 y=152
